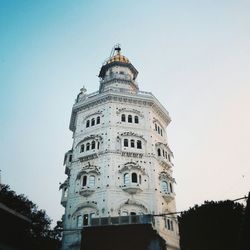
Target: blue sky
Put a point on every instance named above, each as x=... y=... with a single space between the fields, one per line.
x=193 y=55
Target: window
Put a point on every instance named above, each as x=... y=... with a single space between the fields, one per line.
x=123 y=118
x=93 y=145
x=163 y=153
x=167 y=223
x=124 y=213
x=98 y=120
x=126 y=178
x=65 y=194
x=93 y=122
x=88 y=146
x=139 y=179
x=169 y=157
x=134 y=178
x=159 y=152
x=130 y=118
x=70 y=158
x=87 y=124
x=84 y=181
x=132 y=143
x=155 y=127
x=136 y=119
x=164 y=186
x=82 y=148
x=125 y=142
x=158 y=130
x=139 y=144
x=85 y=219
x=171 y=225
x=79 y=221
x=98 y=145
x=171 y=187
x=91 y=180
x=161 y=132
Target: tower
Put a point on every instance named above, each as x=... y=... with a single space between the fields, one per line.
x=120 y=165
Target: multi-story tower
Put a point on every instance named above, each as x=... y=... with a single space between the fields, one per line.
x=120 y=165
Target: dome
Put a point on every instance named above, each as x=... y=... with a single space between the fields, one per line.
x=118 y=58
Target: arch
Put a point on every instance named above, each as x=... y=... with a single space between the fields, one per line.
x=125 y=143
x=159 y=152
x=139 y=146
x=164 y=186
x=123 y=118
x=88 y=146
x=93 y=122
x=98 y=120
x=93 y=145
x=91 y=181
x=136 y=119
x=130 y=119
x=84 y=180
x=134 y=178
x=87 y=123
x=126 y=178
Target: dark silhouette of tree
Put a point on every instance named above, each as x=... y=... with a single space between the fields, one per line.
x=213 y=225
x=41 y=236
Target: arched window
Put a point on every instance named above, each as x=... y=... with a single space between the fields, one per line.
x=85 y=219
x=155 y=127
x=98 y=119
x=161 y=132
x=87 y=124
x=93 y=122
x=87 y=146
x=65 y=194
x=98 y=145
x=79 y=221
x=70 y=158
x=125 y=142
x=91 y=180
x=93 y=145
x=159 y=151
x=130 y=118
x=134 y=178
x=126 y=178
x=84 y=181
x=139 y=144
x=136 y=119
x=139 y=179
x=132 y=143
x=158 y=130
x=82 y=148
x=164 y=186
x=171 y=187
x=163 y=153
x=123 y=118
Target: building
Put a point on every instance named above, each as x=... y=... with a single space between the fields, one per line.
x=120 y=165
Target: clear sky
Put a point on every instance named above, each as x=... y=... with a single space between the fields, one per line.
x=193 y=55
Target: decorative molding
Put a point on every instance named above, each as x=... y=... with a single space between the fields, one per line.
x=133 y=203
x=87 y=170
x=132 y=134
x=88 y=138
x=99 y=112
x=132 y=165
x=87 y=204
x=166 y=176
x=127 y=110
x=131 y=154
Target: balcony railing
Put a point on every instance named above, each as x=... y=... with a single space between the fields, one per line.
x=122 y=220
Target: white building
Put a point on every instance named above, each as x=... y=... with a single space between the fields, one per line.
x=120 y=164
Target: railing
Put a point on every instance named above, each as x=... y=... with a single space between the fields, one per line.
x=122 y=220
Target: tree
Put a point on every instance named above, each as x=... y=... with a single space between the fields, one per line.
x=213 y=225
x=40 y=234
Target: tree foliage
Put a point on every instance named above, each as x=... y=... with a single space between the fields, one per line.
x=213 y=225
x=41 y=235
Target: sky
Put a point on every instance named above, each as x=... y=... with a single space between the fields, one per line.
x=192 y=55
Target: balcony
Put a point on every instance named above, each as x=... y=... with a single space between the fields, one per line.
x=168 y=196
x=132 y=188
x=86 y=191
x=122 y=220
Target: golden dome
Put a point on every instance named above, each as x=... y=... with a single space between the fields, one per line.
x=118 y=58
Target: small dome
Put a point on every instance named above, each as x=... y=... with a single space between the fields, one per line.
x=118 y=58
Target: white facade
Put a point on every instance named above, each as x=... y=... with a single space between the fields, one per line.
x=120 y=163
